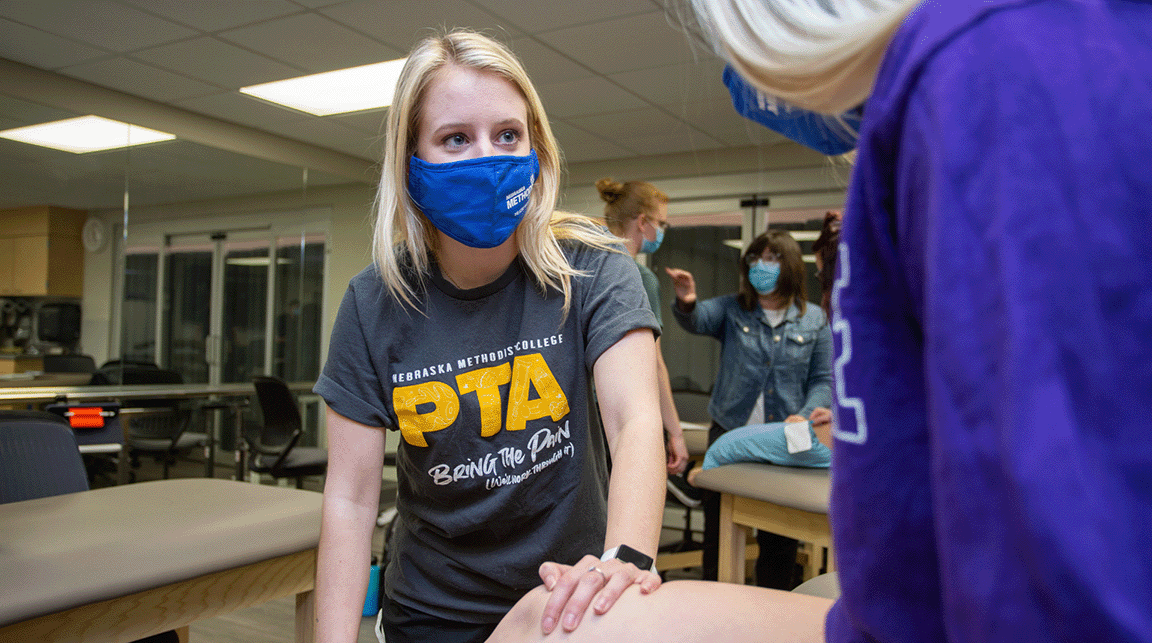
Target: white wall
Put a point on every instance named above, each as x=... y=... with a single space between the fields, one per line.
x=795 y=179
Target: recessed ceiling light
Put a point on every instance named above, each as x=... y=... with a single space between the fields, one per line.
x=85 y=134
x=334 y=92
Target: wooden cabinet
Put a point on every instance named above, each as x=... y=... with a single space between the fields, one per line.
x=10 y=364
x=41 y=253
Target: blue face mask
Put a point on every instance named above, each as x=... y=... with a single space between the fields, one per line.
x=648 y=247
x=829 y=135
x=763 y=276
x=478 y=202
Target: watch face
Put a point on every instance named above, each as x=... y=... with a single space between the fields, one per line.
x=641 y=560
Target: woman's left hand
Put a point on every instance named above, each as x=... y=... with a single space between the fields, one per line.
x=574 y=587
x=795 y=418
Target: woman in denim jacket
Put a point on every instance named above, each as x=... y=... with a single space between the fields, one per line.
x=775 y=365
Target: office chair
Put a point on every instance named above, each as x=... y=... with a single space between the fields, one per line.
x=159 y=426
x=274 y=450
x=38 y=457
x=69 y=363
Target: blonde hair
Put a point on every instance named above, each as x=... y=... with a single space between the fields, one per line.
x=821 y=55
x=627 y=201
x=404 y=236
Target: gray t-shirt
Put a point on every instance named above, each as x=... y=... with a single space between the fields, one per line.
x=652 y=287
x=501 y=465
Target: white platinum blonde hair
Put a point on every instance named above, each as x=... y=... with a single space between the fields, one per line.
x=821 y=55
x=403 y=235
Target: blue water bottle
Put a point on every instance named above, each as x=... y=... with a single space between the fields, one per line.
x=372 y=600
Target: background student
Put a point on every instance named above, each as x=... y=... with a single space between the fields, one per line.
x=775 y=366
x=637 y=212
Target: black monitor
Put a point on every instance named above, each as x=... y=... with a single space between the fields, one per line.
x=59 y=323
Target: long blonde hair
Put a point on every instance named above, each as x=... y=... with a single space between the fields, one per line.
x=821 y=55
x=404 y=236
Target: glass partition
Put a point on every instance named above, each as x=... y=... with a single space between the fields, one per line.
x=299 y=291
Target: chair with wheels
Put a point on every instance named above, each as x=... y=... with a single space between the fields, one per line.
x=159 y=427
x=274 y=450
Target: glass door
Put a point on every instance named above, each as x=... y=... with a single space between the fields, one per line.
x=223 y=307
x=187 y=334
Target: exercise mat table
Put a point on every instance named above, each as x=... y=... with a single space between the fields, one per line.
x=125 y=562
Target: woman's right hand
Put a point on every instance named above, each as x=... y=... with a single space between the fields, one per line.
x=684 y=284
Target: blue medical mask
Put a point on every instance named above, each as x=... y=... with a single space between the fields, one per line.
x=478 y=202
x=827 y=134
x=648 y=247
x=763 y=275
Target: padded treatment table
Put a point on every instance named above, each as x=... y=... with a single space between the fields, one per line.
x=125 y=562
x=789 y=501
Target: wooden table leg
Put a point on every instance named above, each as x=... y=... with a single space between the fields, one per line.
x=305 y=623
x=732 y=541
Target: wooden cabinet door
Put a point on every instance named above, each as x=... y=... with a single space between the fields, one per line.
x=30 y=270
x=7 y=264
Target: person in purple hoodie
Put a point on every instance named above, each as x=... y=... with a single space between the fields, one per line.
x=992 y=466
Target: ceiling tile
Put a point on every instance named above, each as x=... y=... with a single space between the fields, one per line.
x=99 y=23
x=578 y=145
x=636 y=42
x=22 y=112
x=369 y=122
x=214 y=15
x=686 y=140
x=720 y=120
x=334 y=136
x=586 y=96
x=546 y=66
x=310 y=42
x=401 y=23
x=40 y=48
x=217 y=62
x=238 y=108
x=137 y=78
x=618 y=126
x=547 y=16
x=677 y=84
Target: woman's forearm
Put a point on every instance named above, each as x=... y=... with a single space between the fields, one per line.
x=636 y=490
x=342 y=569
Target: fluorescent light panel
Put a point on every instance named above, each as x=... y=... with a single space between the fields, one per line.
x=334 y=92
x=85 y=134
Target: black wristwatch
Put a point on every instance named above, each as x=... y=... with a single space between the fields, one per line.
x=625 y=553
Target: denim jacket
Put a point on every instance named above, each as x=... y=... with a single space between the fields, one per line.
x=791 y=364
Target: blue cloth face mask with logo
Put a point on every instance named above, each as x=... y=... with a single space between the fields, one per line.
x=763 y=275
x=478 y=202
x=827 y=134
x=648 y=247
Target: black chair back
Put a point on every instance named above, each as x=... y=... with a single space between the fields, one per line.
x=38 y=457
x=282 y=423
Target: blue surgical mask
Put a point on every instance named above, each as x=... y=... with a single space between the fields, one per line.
x=763 y=275
x=478 y=202
x=827 y=134
x=648 y=247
